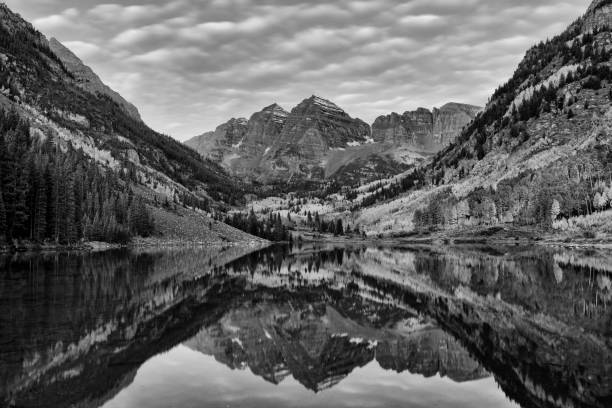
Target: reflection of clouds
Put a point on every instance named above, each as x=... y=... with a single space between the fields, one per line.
x=400 y=54
x=183 y=377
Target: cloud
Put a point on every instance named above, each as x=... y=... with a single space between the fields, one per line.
x=189 y=65
x=55 y=21
x=84 y=49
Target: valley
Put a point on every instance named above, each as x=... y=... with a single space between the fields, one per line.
x=535 y=163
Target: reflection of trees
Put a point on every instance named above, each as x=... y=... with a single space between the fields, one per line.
x=85 y=322
x=60 y=312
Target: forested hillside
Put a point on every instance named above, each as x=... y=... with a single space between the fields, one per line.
x=62 y=197
x=75 y=164
x=539 y=154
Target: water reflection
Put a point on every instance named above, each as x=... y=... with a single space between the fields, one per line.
x=420 y=325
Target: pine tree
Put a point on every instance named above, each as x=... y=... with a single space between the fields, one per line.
x=51 y=201
x=2 y=218
x=339 y=229
x=39 y=218
x=20 y=215
x=70 y=212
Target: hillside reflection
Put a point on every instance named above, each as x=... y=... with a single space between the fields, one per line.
x=75 y=328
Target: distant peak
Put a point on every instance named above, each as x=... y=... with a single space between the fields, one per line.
x=597 y=4
x=275 y=107
x=323 y=103
x=598 y=15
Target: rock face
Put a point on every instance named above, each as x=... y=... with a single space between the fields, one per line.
x=275 y=145
x=263 y=130
x=240 y=144
x=314 y=128
x=450 y=119
x=219 y=144
x=422 y=129
x=87 y=79
x=318 y=141
x=599 y=15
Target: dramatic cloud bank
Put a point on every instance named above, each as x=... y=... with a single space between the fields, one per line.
x=189 y=65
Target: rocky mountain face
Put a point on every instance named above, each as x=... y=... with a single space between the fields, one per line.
x=313 y=128
x=597 y=16
x=216 y=145
x=319 y=141
x=424 y=130
x=275 y=145
x=87 y=79
x=239 y=143
x=539 y=154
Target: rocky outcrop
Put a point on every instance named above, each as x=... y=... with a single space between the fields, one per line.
x=220 y=144
x=314 y=128
x=319 y=141
x=449 y=121
x=422 y=129
x=240 y=144
x=319 y=119
x=263 y=130
x=599 y=15
x=275 y=145
x=87 y=79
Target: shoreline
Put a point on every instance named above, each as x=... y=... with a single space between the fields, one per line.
x=494 y=236
x=497 y=238
x=139 y=243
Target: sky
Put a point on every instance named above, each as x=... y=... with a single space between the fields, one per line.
x=190 y=65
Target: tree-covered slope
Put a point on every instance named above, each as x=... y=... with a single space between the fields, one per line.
x=538 y=155
x=75 y=163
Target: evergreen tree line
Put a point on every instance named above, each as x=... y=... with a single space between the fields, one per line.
x=535 y=61
x=31 y=68
x=56 y=194
x=336 y=227
x=271 y=229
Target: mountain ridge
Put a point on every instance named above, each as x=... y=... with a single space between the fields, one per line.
x=87 y=79
x=319 y=141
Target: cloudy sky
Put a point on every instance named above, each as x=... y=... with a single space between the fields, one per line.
x=189 y=65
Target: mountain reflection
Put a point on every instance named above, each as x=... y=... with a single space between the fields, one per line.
x=75 y=328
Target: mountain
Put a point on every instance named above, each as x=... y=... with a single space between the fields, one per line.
x=276 y=146
x=240 y=143
x=539 y=155
x=312 y=130
x=77 y=162
x=318 y=141
x=424 y=130
x=87 y=79
x=220 y=143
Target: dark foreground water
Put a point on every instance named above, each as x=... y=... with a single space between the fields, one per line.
x=307 y=327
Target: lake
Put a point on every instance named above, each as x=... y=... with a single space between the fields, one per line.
x=307 y=326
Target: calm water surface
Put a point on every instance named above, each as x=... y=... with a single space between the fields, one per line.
x=307 y=327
